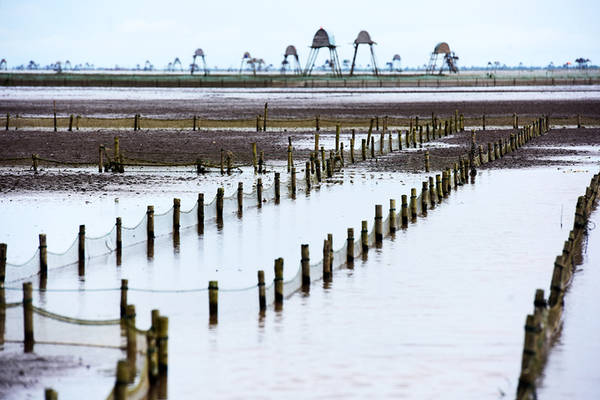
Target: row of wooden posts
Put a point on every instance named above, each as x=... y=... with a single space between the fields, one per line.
x=261 y=121
x=157 y=339
x=543 y=326
x=461 y=169
x=430 y=196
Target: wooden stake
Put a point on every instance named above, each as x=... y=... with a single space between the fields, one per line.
x=259 y=188
x=338 y=127
x=43 y=255
x=119 y=240
x=316 y=142
x=293 y=182
x=350 y=247
x=364 y=237
x=265 y=117
x=326 y=261
x=262 y=298
x=220 y=196
x=307 y=175
x=71 y=123
x=28 y=316
x=404 y=216
x=254 y=157
x=305 y=263
x=123 y=305
x=413 y=204
x=162 y=339
x=213 y=301
x=378 y=224
x=150 y=223
x=120 y=390
x=277 y=187
x=176 y=214
x=278 y=283
x=427 y=161
x=81 y=250
x=392 y=216
x=2 y=263
x=200 y=213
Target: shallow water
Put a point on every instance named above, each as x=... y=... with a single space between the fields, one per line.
x=451 y=291
x=291 y=96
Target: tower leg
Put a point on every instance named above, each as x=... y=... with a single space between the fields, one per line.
x=353 y=60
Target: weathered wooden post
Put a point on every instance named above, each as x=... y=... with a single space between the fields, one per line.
x=240 y=198
x=219 y=203
x=404 y=215
x=317 y=125
x=43 y=255
x=200 y=213
x=229 y=162
x=342 y=154
x=123 y=303
x=338 y=128
x=364 y=149
x=424 y=198
x=28 y=317
x=352 y=150
x=50 y=394
x=254 y=160
x=323 y=158
x=151 y=355
x=277 y=187
x=305 y=263
x=370 y=131
x=71 y=123
x=162 y=340
x=289 y=158
x=262 y=297
x=433 y=199
x=81 y=250
x=413 y=204
x=372 y=147
x=426 y=161
x=326 y=261
x=265 y=117
x=378 y=224
x=392 y=216
x=307 y=175
x=350 y=247
x=131 y=336
x=194 y=123
x=213 y=302
x=293 y=178
x=120 y=389
x=364 y=237
x=7 y=120
x=318 y=168
x=278 y=283
x=399 y=140
x=259 y=189
x=176 y=214
x=483 y=122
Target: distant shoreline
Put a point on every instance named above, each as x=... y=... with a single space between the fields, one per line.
x=144 y=79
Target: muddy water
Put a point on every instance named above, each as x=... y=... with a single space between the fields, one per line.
x=438 y=312
x=570 y=371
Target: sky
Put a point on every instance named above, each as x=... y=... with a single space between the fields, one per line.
x=129 y=32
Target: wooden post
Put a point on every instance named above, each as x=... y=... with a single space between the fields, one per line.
x=364 y=149
x=381 y=142
x=342 y=154
x=117 y=151
x=289 y=158
x=370 y=131
x=352 y=150
x=176 y=214
x=413 y=204
x=433 y=199
x=392 y=216
x=318 y=168
x=483 y=122
x=200 y=213
x=390 y=141
x=323 y=158
x=259 y=188
x=305 y=263
x=427 y=137
x=515 y=121
x=162 y=339
x=123 y=304
x=350 y=247
x=372 y=147
x=307 y=175
x=7 y=120
x=364 y=237
x=2 y=264
x=529 y=348
x=293 y=182
x=28 y=316
x=262 y=297
x=50 y=394
x=194 y=123
x=240 y=198
x=120 y=390
x=151 y=355
x=265 y=117
x=338 y=127
x=119 y=240
x=220 y=196
x=261 y=162
x=424 y=198
x=43 y=255
x=378 y=224
x=278 y=283
x=329 y=169
x=404 y=214
x=330 y=240
x=81 y=250
x=277 y=187
x=399 y=140
x=426 y=161
x=131 y=336
x=327 y=260
x=317 y=126
x=150 y=222
x=213 y=301
x=229 y=163
x=71 y=123
x=254 y=157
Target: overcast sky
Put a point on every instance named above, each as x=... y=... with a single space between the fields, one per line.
x=123 y=32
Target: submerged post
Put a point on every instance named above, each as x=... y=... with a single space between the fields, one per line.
x=81 y=250
x=120 y=389
x=176 y=214
x=43 y=255
x=254 y=157
x=392 y=216
x=305 y=262
x=364 y=237
x=123 y=305
x=2 y=263
x=240 y=198
x=326 y=260
x=277 y=187
x=404 y=215
x=378 y=224
x=162 y=339
x=278 y=283
x=350 y=247
x=262 y=298
x=413 y=204
x=213 y=301
x=259 y=188
x=220 y=195
x=200 y=213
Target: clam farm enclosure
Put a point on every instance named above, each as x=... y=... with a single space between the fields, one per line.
x=299 y=243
